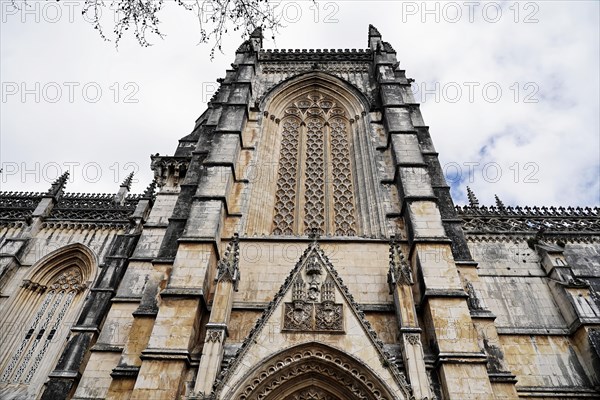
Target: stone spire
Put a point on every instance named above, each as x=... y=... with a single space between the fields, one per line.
x=127 y=182
x=58 y=186
x=473 y=202
x=373 y=31
x=374 y=38
x=123 y=190
x=44 y=207
x=256 y=38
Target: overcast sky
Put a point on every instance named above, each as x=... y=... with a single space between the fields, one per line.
x=510 y=91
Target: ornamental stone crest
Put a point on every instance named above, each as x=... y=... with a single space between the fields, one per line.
x=313 y=306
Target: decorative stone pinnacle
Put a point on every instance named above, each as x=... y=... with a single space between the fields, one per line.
x=373 y=31
x=149 y=192
x=127 y=182
x=257 y=33
x=473 y=202
x=298 y=294
x=328 y=291
x=399 y=272
x=59 y=185
x=228 y=266
x=499 y=204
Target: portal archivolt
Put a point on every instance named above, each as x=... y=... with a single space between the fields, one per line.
x=309 y=372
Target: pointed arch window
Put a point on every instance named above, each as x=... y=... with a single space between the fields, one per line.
x=40 y=315
x=42 y=327
x=315 y=188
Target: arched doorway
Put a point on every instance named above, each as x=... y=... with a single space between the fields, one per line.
x=312 y=371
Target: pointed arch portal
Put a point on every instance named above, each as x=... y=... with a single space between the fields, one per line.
x=311 y=371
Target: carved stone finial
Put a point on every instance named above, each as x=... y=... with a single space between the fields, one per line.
x=314 y=234
x=400 y=272
x=473 y=202
x=298 y=293
x=127 y=182
x=388 y=47
x=228 y=267
x=59 y=185
x=327 y=290
x=473 y=301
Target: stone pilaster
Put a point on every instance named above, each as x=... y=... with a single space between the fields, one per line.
x=217 y=328
x=87 y=327
x=400 y=280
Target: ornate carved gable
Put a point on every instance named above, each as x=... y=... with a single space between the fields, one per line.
x=313 y=316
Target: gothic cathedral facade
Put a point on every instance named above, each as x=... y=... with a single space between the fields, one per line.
x=301 y=243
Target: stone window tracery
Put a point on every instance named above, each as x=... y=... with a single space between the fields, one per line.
x=315 y=190
x=43 y=327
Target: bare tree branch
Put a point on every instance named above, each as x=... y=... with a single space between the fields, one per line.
x=215 y=18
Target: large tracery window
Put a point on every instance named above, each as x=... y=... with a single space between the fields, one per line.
x=314 y=183
x=42 y=326
x=39 y=316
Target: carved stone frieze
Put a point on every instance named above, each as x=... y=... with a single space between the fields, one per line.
x=315 y=55
x=300 y=67
x=69 y=206
x=354 y=381
x=18 y=205
x=312 y=394
x=93 y=207
x=169 y=170
x=481 y=219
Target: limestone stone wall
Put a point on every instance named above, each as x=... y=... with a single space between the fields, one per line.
x=535 y=312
